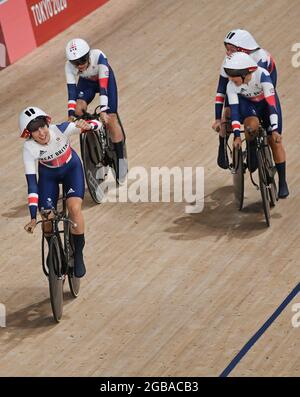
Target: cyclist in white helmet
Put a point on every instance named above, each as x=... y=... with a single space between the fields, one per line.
x=237 y=40
x=48 y=144
x=88 y=73
x=252 y=99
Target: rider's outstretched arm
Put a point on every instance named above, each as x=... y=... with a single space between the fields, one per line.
x=79 y=126
x=30 y=173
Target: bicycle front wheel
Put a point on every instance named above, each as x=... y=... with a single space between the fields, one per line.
x=55 y=278
x=263 y=186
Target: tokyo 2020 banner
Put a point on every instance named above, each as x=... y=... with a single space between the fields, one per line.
x=26 y=24
x=16 y=31
x=49 y=17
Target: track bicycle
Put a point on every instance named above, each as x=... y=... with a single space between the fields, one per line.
x=59 y=264
x=98 y=155
x=266 y=171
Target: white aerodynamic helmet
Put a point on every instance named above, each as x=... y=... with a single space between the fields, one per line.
x=239 y=64
x=241 y=39
x=77 y=50
x=32 y=113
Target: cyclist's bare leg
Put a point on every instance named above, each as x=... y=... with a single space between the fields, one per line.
x=114 y=128
x=277 y=148
x=222 y=159
x=117 y=138
x=74 y=208
x=47 y=230
x=251 y=125
x=81 y=107
x=275 y=142
x=226 y=122
x=47 y=225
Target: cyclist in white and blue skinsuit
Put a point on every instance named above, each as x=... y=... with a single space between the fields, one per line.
x=88 y=73
x=252 y=98
x=237 y=40
x=49 y=145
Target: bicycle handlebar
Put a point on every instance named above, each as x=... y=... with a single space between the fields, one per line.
x=89 y=116
x=57 y=217
x=62 y=219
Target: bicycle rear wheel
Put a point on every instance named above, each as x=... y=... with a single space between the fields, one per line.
x=92 y=159
x=55 y=278
x=238 y=177
x=263 y=186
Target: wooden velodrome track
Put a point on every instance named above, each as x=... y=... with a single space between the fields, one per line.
x=166 y=293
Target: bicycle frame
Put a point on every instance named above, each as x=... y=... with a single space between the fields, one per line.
x=98 y=155
x=261 y=139
x=267 y=185
x=56 y=231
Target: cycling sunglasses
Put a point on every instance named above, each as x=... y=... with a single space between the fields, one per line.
x=37 y=123
x=239 y=72
x=80 y=61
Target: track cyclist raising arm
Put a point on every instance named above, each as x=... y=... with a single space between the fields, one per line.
x=57 y=163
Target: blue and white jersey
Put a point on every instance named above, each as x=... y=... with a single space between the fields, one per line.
x=265 y=60
x=55 y=154
x=262 y=58
x=260 y=88
x=98 y=71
